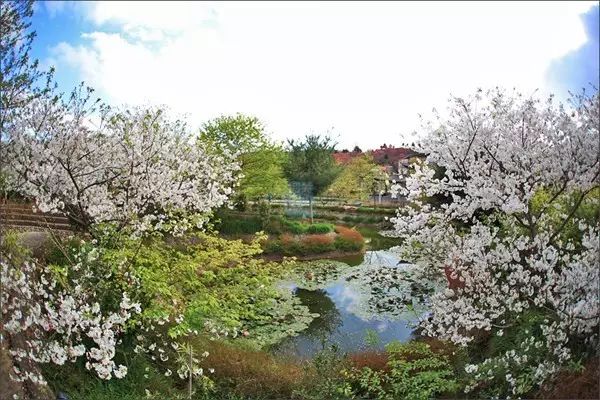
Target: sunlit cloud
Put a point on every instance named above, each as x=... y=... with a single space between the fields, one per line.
x=364 y=69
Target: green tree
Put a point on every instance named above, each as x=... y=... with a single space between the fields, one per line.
x=311 y=162
x=261 y=159
x=19 y=75
x=360 y=179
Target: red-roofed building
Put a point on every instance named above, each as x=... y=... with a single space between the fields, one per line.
x=392 y=155
x=395 y=161
x=343 y=158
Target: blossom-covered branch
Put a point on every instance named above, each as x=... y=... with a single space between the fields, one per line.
x=519 y=227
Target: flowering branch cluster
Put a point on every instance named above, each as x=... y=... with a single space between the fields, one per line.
x=58 y=318
x=504 y=206
x=133 y=168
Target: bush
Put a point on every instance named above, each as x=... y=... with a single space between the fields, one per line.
x=272 y=246
x=342 y=244
x=249 y=373
x=300 y=228
x=79 y=384
x=235 y=225
x=294 y=226
x=348 y=239
x=414 y=372
x=310 y=244
x=288 y=245
x=324 y=378
x=318 y=243
x=320 y=228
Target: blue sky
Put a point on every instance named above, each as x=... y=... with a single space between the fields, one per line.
x=362 y=71
x=579 y=68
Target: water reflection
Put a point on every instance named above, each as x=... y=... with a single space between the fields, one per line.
x=351 y=305
x=319 y=302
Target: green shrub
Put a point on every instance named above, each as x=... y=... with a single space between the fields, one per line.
x=415 y=372
x=320 y=228
x=300 y=228
x=527 y=325
x=295 y=227
x=419 y=373
x=526 y=338
x=78 y=383
x=294 y=248
x=343 y=244
x=324 y=378
x=235 y=225
x=272 y=246
x=56 y=252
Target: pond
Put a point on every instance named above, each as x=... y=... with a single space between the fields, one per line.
x=356 y=299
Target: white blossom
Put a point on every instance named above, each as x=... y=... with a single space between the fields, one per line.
x=498 y=152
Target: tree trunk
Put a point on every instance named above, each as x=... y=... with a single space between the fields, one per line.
x=24 y=390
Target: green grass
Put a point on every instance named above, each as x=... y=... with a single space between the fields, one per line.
x=79 y=384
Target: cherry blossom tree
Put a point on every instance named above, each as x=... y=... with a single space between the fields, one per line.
x=137 y=170
x=133 y=168
x=519 y=228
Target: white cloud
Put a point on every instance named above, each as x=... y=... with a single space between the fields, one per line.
x=53 y=7
x=365 y=69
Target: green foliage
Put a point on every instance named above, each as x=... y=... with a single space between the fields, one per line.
x=300 y=228
x=319 y=228
x=514 y=352
x=264 y=213
x=261 y=159
x=262 y=171
x=311 y=161
x=300 y=246
x=525 y=326
x=206 y=279
x=234 y=133
x=58 y=253
x=324 y=377
x=372 y=338
x=344 y=244
x=359 y=180
x=10 y=243
x=419 y=373
x=21 y=81
x=588 y=210
x=295 y=227
x=232 y=225
x=347 y=240
x=79 y=384
x=415 y=373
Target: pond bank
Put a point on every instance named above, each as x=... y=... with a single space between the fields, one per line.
x=334 y=255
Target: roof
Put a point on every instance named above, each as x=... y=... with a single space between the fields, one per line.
x=392 y=155
x=345 y=158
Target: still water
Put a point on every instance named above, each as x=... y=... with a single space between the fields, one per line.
x=361 y=301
